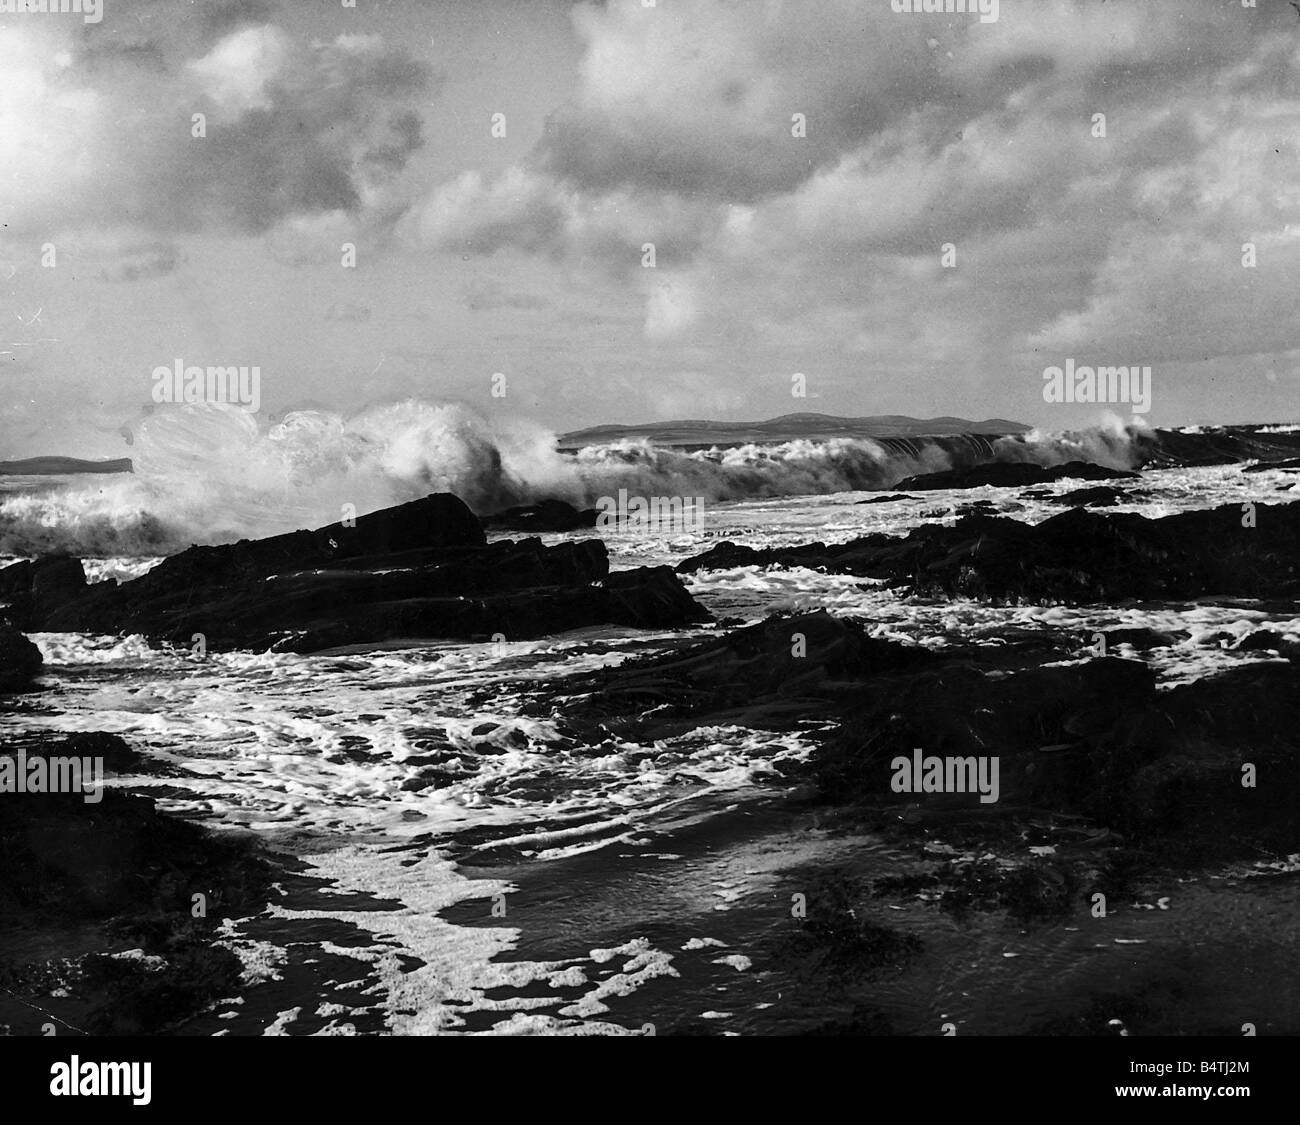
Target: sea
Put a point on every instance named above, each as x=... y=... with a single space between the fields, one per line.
x=624 y=888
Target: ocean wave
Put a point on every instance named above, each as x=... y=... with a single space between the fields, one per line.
x=212 y=474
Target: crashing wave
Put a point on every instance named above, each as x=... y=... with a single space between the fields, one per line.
x=212 y=474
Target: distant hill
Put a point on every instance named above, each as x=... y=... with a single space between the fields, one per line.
x=56 y=466
x=788 y=427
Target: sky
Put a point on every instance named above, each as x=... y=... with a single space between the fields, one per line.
x=917 y=212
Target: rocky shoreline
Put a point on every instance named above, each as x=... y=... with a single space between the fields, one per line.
x=1102 y=776
x=112 y=909
x=420 y=570
x=1077 y=557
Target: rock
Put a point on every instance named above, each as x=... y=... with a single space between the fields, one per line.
x=32 y=589
x=116 y=755
x=975 y=507
x=421 y=570
x=1092 y=742
x=1011 y=474
x=1099 y=497
x=1292 y=465
x=117 y=874
x=650 y=597
x=20 y=660
x=1142 y=637
x=1266 y=640
x=765 y=675
x=1158 y=767
x=548 y=516
x=1075 y=557
x=887 y=499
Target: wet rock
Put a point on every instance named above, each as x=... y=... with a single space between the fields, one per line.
x=1011 y=474
x=1262 y=640
x=976 y=507
x=1290 y=465
x=548 y=516
x=1158 y=767
x=116 y=754
x=421 y=570
x=837 y=940
x=32 y=589
x=1099 y=497
x=20 y=660
x=1027 y=890
x=766 y=675
x=116 y=875
x=1142 y=637
x=140 y=997
x=1075 y=557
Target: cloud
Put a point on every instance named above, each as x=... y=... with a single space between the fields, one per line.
x=469 y=215
x=103 y=136
x=235 y=74
x=922 y=131
x=671 y=307
x=488 y=296
x=773 y=252
x=348 y=312
x=221 y=16
x=141 y=262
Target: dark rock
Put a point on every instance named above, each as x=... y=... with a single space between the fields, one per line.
x=1075 y=557
x=1011 y=474
x=548 y=516
x=886 y=499
x=140 y=998
x=1141 y=637
x=32 y=589
x=111 y=749
x=1044 y=887
x=20 y=660
x=1291 y=465
x=117 y=874
x=1159 y=767
x=1093 y=742
x=92 y=861
x=976 y=508
x=835 y=940
x=1099 y=497
x=416 y=571
x=650 y=597
x=768 y=675
x=958 y=709
x=1263 y=640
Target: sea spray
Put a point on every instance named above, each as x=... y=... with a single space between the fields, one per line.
x=211 y=473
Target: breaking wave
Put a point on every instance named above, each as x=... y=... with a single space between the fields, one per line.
x=213 y=474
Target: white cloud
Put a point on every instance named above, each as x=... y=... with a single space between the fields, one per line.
x=235 y=74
